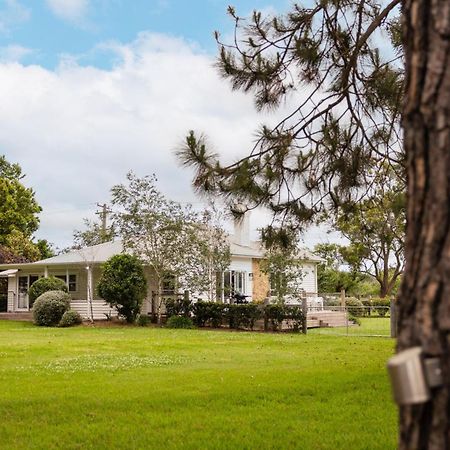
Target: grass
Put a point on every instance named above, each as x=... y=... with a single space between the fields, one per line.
x=142 y=388
x=369 y=327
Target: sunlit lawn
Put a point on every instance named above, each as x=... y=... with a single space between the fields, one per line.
x=145 y=388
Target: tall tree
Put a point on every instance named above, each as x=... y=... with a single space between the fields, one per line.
x=425 y=291
x=343 y=125
x=212 y=252
x=331 y=277
x=163 y=234
x=375 y=228
x=325 y=152
x=18 y=212
x=282 y=263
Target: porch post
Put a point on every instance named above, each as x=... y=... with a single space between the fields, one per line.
x=222 y=287
x=45 y=272
x=90 y=313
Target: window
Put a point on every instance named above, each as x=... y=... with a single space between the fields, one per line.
x=71 y=282
x=234 y=282
x=168 y=284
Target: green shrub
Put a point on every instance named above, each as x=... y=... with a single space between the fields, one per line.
x=123 y=285
x=44 y=285
x=354 y=319
x=179 y=322
x=143 y=320
x=273 y=316
x=355 y=307
x=295 y=316
x=208 y=313
x=178 y=307
x=242 y=316
x=381 y=305
x=332 y=301
x=49 y=308
x=70 y=318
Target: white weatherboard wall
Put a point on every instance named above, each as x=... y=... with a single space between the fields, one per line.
x=309 y=279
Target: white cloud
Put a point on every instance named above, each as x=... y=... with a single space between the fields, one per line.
x=12 y=14
x=77 y=130
x=14 y=53
x=71 y=10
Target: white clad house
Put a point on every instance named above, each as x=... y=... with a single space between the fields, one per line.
x=81 y=270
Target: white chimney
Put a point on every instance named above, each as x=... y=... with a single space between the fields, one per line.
x=242 y=230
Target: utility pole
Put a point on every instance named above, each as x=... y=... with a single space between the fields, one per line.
x=103 y=216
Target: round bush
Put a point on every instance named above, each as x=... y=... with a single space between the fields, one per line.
x=355 y=307
x=70 y=318
x=179 y=322
x=44 y=285
x=49 y=308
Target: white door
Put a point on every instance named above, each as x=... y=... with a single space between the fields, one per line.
x=22 y=297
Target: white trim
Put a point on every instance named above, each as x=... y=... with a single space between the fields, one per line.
x=9 y=273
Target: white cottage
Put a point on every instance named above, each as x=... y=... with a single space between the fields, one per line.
x=81 y=270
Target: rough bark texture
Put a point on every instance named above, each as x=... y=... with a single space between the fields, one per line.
x=424 y=299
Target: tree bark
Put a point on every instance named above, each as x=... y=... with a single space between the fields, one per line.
x=424 y=299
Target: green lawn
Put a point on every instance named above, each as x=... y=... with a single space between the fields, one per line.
x=369 y=326
x=145 y=388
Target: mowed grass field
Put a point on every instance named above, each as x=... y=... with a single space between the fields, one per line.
x=150 y=388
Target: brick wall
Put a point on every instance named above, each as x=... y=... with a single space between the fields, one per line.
x=260 y=282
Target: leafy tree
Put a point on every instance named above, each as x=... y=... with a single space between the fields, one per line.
x=375 y=228
x=331 y=277
x=10 y=171
x=45 y=249
x=18 y=209
x=212 y=251
x=166 y=236
x=282 y=263
x=123 y=285
x=93 y=234
x=18 y=212
x=7 y=256
x=19 y=244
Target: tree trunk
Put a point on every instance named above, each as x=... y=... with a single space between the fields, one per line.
x=424 y=300
x=159 y=301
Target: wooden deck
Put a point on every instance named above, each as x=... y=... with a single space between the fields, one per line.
x=325 y=318
x=24 y=316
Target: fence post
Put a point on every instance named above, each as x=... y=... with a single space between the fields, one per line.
x=305 y=315
x=393 y=311
x=343 y=297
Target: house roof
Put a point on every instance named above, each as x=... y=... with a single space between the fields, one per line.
x=88 y=255
x=102 y=252
x=95 y=254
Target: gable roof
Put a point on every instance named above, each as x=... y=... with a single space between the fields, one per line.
x=95 y=254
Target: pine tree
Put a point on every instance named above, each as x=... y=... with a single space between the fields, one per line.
x=351 y=99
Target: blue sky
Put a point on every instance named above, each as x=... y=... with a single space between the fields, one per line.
x=91 y=89
x=51 y=28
